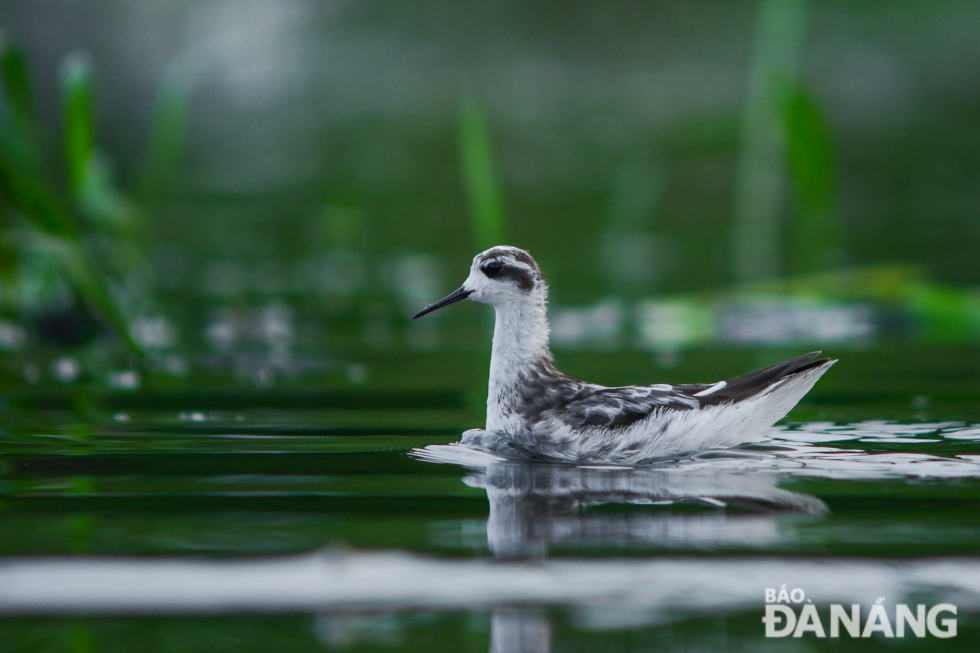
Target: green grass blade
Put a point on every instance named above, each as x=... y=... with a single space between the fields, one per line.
x=777 y=48
x=22 y=180
x=91 y=191
x=86 y=280
x=29 y=194
x=16 y=85
x=168 y=136
x=28 y=190
x=22 y=177
x=817 y=231
x=79 y=120
x=476 y=157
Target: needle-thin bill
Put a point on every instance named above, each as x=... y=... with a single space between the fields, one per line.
x=459 y=295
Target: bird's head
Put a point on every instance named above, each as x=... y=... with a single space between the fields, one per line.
x=500 y=276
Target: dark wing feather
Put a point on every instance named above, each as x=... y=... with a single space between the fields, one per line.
x=747 y=385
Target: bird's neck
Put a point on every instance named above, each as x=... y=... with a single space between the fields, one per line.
x=520 y=347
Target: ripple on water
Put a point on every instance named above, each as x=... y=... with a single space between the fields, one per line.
x=805 y=450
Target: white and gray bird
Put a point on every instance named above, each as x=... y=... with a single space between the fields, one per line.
x=533 y=410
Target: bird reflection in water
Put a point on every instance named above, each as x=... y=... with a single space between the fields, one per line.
x=536 y=507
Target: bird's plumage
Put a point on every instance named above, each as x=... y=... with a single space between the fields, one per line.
x=535 y=409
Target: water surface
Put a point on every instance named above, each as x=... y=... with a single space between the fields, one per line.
x=165 y=521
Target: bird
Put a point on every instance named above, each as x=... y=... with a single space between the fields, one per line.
x=534 y=411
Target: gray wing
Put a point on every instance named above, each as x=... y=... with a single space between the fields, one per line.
x=588 y=405
x=597 y=406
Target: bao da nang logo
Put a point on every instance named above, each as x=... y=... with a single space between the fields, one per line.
x=790 y=613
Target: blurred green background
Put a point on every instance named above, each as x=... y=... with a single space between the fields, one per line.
x=218 y=216
x=271 y=188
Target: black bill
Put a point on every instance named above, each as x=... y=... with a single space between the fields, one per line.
x=459 y=295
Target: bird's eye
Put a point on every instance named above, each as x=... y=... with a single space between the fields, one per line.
x=492 y=269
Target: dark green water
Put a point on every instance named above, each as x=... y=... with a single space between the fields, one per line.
x=870 y=489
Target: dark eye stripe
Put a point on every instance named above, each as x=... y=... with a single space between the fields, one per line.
x=522 y=276
x=524 y=279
